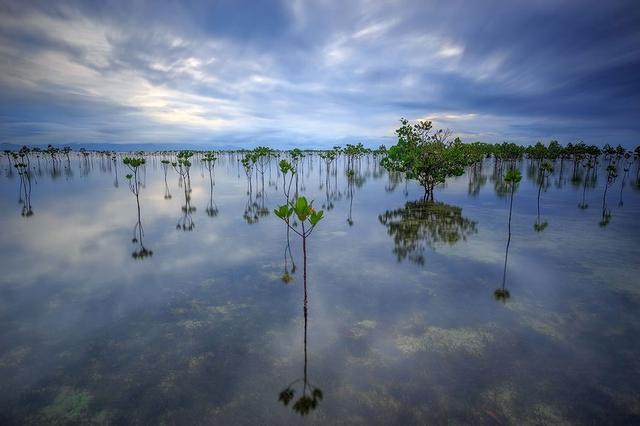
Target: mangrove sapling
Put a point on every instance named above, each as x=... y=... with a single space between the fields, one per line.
x=165 y=168
x=133 y=178
x=626 y=166
x=24 y=189
x=247 y=164
x=296 y=161
x=350 y=183
x=185 y=222
x=589 y=165
x=116 y=184
x=182 y=166
x=612 y=175
x=545 y=170
x=308 y=217
x=286 y=168
x=512 y=178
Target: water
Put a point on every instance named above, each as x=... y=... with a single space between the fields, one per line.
x=403 y=322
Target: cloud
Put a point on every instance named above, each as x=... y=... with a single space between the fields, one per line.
x=315 y=72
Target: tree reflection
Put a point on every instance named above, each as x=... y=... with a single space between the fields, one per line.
x=476 y=178
x=425 y=223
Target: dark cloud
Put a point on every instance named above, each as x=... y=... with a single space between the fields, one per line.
x=313 y=72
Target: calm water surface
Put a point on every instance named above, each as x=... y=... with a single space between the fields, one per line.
x=193 y=324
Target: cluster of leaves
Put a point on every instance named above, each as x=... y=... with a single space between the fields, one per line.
x=304 y=211
x=209 y=157
x=513 y=176
x=286 y=167
x=182 y=159
x=133 y=163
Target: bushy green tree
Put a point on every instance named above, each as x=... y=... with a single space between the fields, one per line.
x=425 y=156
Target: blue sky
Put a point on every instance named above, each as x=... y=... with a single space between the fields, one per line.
x=316 y=73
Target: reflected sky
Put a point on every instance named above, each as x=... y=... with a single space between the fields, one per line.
x=205 y=331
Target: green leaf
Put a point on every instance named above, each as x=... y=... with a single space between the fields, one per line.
x=316 y=217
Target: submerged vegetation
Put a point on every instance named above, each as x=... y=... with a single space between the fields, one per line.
x=218 y=323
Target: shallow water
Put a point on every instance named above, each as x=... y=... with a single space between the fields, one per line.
x=403 y=325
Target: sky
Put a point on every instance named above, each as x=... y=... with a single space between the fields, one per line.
x=318 y=73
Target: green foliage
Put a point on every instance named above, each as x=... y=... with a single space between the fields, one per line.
x=612 y=173
x=133 y=162
x=508 y=151
x=296 y=154
x=183 y=159
x=209 y=157
x=546 y=168
x=513 y=176
x=286 y=167
x=303 y=210
x=427 y=157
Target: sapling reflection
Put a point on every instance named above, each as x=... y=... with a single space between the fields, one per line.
x=512 y=178
x=133 y=178
x=311 y=394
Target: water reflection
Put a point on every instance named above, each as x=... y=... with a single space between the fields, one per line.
x=425 y=223
x=91 y=335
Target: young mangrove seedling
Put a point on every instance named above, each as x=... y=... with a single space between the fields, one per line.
x=545 y=170
x=612 y=175
x=209 y=161
x=165 y=168
x=308 y=218
x=134 y=165
x=286 y=168
x=512 y=178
